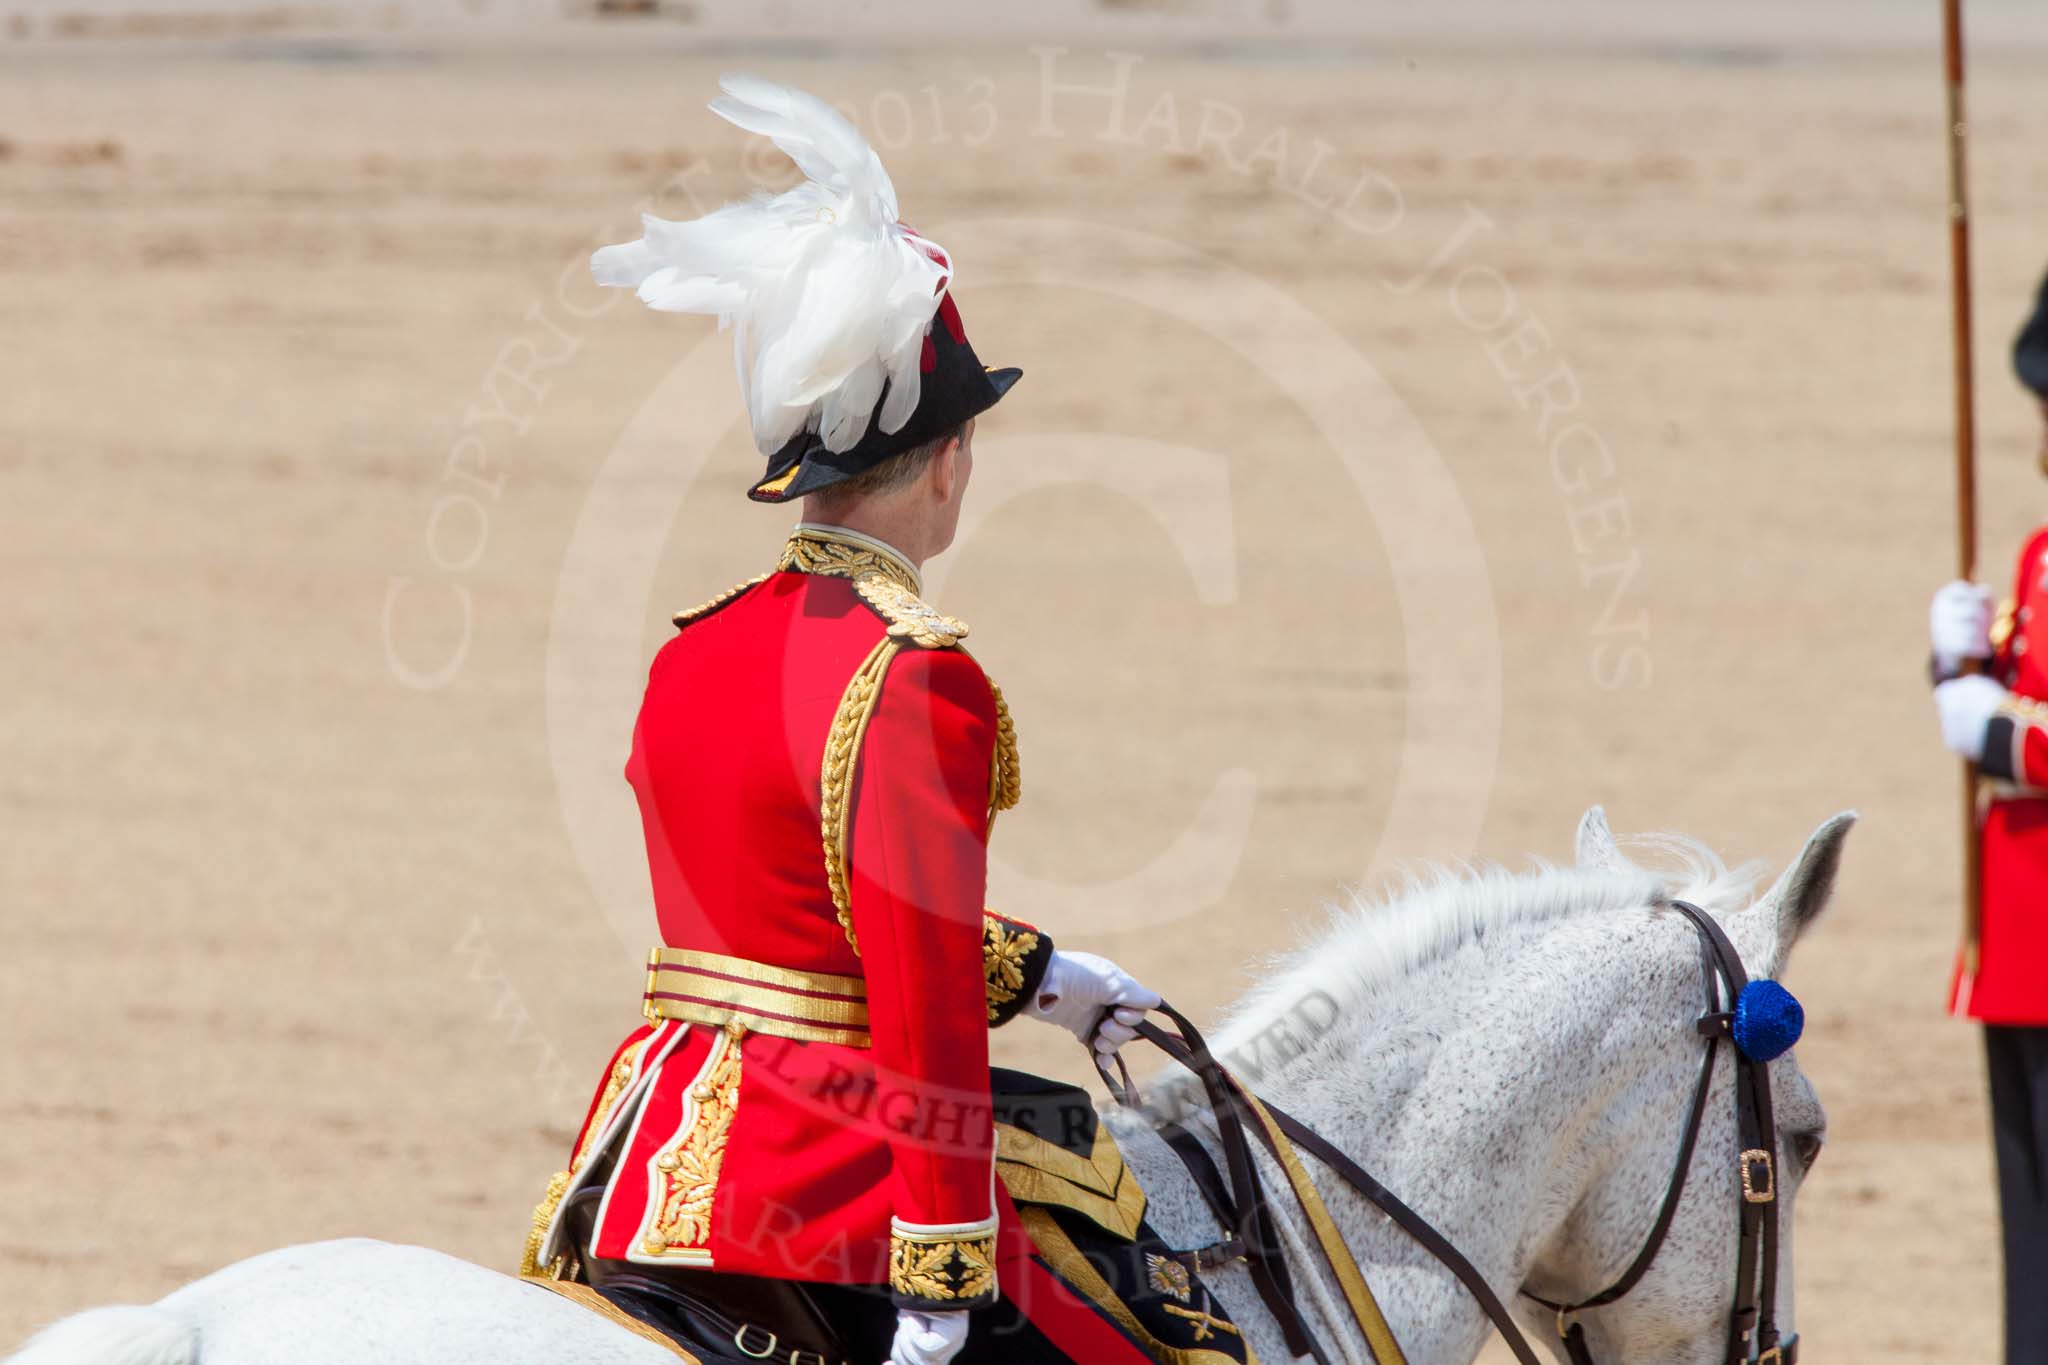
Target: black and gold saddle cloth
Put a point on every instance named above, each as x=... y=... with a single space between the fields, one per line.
x=1085 y=1215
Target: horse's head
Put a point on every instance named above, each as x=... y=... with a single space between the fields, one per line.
x=1678 y=1311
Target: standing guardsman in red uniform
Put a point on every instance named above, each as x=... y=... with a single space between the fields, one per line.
x=819 y=761
x=1997 y=716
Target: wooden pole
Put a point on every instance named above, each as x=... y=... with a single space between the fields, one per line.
x=1966 y=439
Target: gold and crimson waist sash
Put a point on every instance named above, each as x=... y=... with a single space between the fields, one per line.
x=711 y=988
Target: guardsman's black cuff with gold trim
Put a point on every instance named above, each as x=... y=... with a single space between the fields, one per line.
x=941 y=1269
x=1013 y=961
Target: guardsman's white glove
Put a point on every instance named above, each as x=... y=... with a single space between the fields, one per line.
x=927 y=1338
x=1959 y=624
x=1966 y=706
x=1078 y=987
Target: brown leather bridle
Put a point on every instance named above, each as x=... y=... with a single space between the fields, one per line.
x=1241 y=1208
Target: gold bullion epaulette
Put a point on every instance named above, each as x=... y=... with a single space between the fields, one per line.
x=704 y=609
x=910 y=617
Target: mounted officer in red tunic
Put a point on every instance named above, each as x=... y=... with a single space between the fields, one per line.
x=819 y=762
x=1991 y=689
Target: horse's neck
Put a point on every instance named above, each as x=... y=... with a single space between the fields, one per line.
x=1467 y=1102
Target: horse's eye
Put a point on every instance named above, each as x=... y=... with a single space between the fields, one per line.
x=1806 y=1146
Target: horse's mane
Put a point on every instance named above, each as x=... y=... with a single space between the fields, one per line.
x=1368 y=946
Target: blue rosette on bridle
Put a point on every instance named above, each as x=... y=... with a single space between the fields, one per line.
x=1767 y=1021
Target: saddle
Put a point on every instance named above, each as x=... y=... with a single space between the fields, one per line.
x=1082 y=1207
x=714 y=1319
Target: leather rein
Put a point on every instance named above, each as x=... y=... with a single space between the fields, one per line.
x=1241 y=1210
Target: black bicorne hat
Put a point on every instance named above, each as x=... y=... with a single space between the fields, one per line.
x=953 y=386
x=830 y=296
x=2030 y=350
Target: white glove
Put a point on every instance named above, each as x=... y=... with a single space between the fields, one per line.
x=1959 y=624
x=1966 y=706
x=927 y=1338
x=1078 y=987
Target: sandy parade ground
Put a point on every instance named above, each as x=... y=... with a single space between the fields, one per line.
x=1433 y=424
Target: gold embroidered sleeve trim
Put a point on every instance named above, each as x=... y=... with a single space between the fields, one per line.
x=841 y=763
x=1005 y=949
x=944 y=1269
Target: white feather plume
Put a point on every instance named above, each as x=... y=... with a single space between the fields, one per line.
x=827 y=294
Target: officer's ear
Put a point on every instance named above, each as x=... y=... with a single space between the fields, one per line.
x=949 y=464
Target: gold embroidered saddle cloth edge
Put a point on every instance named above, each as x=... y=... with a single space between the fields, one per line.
x=597 y=1303
x=1098 y=1186
x=712 y=988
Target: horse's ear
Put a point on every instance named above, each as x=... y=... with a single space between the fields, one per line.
x=1803 y=892
x=1597 y=849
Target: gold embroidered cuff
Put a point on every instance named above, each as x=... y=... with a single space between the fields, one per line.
x=1013 y=960
x=942 y=1267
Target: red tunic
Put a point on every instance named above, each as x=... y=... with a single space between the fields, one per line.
x=838 y=1127
x=2011 y=982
